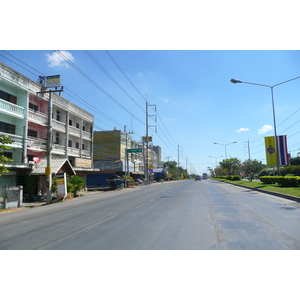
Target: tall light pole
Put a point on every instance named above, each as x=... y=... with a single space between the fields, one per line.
x=234 y=80
x=216 y=158
x=225 y=147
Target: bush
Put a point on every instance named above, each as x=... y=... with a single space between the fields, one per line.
x=74 y=184
x=290 y=170
x=283 y=181
x=267 y=179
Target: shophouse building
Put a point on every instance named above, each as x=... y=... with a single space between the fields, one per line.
x=109 y=155
x=24 y=118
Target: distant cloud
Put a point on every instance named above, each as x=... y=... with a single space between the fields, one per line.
x=242 y=129
x=165 y=100
x=265 y=129
x=55 y=60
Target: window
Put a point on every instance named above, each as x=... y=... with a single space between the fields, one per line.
x=83 y=146
x=70 y=122
x=8 y=97
x=70 y=144
x=83 y=127
x=7 y=154
x=7 y=128
x=57 y=115
x=32 y=133
x=33 y=107
x=57 y=138
x=77 y=145
x=77 y=125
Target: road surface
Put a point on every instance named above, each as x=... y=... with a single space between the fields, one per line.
x=200 y=215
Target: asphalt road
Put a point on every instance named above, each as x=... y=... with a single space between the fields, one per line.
x=205 y=214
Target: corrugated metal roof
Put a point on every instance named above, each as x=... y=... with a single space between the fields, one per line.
x=56 y=165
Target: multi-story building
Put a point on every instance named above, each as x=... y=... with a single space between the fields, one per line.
x=24 y=118
x=109 y=155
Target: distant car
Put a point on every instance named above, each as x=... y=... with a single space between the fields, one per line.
x=204 y=176
x=197 y=177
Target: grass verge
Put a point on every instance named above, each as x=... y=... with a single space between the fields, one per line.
x=293 y=191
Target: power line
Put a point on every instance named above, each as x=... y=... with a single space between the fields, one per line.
x=97 y=86
x=112 y=79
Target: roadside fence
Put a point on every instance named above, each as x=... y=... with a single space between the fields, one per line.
x=11 y=197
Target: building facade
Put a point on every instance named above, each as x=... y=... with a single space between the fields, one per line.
x=24 y=118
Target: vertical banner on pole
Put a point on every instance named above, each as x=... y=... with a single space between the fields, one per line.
x=283 y=155
x=271 y=151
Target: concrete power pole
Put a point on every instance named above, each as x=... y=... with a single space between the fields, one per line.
x=48 y=171
x=147 y=139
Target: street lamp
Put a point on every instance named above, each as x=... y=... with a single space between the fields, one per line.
x=216 y=158
x=234 y=80
x=225 y=147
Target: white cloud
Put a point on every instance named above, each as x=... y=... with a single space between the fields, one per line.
x=55 y=60
x=265 y=129
x=165 y=100
x=242 y=129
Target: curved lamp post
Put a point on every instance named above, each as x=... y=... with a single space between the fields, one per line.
x=216 y=157
x=225 y=147
x=234 y=80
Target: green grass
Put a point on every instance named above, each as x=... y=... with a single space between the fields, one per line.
x=293 y=191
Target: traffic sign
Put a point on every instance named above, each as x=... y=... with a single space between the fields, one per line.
x=134 y=150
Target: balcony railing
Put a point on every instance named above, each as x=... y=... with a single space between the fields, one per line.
x=86 y=135
x=37 y=117
x=12 y=109
x=17 y=141
x=59 y=126
x=74 y=131
x=36 y=144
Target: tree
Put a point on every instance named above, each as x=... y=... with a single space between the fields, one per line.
x=172 y=168
x=252 y=167
x=295 y=161
x=232 y=165
x=4 y=141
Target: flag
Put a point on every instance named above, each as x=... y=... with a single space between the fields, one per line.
x=270 y=151
x=283 y=155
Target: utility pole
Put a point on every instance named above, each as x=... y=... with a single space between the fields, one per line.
x=147 y=138
x=127 y=171
x=178 y=165
x=48 y=171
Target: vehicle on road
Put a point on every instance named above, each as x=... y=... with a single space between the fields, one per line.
x=197 y=177
x=204 y=176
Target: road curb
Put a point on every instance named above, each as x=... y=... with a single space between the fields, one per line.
x=289 y=197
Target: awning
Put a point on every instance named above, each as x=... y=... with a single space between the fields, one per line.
x=57 y=165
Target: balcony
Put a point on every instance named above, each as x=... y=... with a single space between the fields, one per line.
x=17 y=141
x=59 y=126
x=37 y=117
x=86 y=135
x=74 y=131
x=11 y=109
x=36 y=144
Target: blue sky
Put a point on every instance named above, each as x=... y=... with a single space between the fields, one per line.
x=196 y=103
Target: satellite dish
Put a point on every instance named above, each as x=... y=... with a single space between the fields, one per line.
x=36 y=159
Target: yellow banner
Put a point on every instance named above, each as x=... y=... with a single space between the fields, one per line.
x=271 y=151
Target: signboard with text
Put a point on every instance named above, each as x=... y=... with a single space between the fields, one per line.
x=134 y=150
x=61 y=183
x=52 y=81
